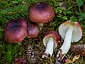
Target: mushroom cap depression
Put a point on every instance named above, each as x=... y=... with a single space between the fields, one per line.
x=54 y=34
x=15 y=30
x=77 y=30
x=32 y=30
x=41 y=12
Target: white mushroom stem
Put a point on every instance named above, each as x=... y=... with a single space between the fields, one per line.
x=67 y=41
x=40 y=25
x=49 y=48
x=19 y=43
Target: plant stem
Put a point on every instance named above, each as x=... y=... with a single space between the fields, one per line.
x=79 y=10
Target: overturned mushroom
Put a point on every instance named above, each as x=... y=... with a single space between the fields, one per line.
x=51 y=40
x=70 y=32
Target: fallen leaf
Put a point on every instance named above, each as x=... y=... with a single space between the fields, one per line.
x=68 y=61
x=76 y=57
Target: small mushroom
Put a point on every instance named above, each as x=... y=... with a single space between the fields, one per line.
x=32 y=30
x=51 y=40
x=41 y=12
x=15 y=30
x=70 y=32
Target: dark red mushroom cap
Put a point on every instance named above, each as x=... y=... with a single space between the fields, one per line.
x=32 y=30
x=15 y=30
x=54 y=34
x=41 y=12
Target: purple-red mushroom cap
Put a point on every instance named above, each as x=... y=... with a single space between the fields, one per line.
x=32 y=30
x=41 y=12
x=15 y=30
x=54 y=35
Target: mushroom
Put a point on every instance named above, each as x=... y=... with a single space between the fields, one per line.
x=51 y=40
x=41 y=12
x=15 y=30
x=32 y=30
x=70 y=32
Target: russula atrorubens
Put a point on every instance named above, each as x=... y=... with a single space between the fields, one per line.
x=70 y=32
x=32 y=30
x=51 y=40
x=41 y=12
x=15 y=30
